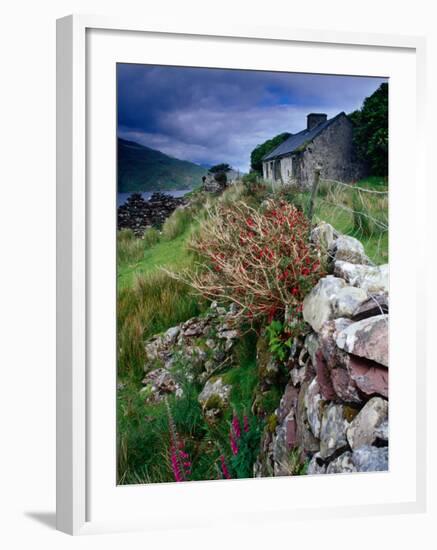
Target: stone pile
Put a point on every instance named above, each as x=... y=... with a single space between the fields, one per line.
x=334 y=410
x=138 y=214
x=202 y=347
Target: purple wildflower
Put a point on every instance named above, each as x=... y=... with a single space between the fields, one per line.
x=225 y=470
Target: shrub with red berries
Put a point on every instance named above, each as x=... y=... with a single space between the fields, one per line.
x=261 y=260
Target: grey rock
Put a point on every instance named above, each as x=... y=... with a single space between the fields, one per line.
x=327 y=339
x=297 y=375
x=363 y=429
x=214 y=393
x=371 y=459
x=348 y=300
x=212 y=344
x=324 y=235
x=228 y=334
x=372 y=279
x=367 y=338
x=305 y=437
x=312 y=345
x=172 y=334
x=316 y=465
x=381 y=431
x=319 y=304
x=343 y=464
x=333 y=430
x=314 y=404
x=349 y=249
x=159 y=383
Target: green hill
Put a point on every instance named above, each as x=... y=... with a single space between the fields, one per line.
x=141 y=168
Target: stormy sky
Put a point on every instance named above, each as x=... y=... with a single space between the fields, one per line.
x=209 y=116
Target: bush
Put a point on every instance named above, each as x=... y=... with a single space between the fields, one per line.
x=177 y=223
x=260 y=260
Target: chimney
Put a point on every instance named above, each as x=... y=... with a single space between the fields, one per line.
x=314 y=119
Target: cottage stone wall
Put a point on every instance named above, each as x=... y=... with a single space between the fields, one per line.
x=332 y=151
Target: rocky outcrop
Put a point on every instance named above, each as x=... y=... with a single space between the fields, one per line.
x=214 y=398
x=202 y=347
x=138 y=214
x=334 y=411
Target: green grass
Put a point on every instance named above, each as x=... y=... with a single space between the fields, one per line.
x=171 y=254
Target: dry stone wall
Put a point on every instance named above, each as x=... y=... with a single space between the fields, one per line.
x=333 y=415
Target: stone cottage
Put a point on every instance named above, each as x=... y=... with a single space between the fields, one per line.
x=324 y=143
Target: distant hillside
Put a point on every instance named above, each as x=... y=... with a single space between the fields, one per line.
x=141 y=168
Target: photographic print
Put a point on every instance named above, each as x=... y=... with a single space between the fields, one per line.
x=252 y=274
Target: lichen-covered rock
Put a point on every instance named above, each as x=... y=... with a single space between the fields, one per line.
x=306 y=440
x=348 y=300
x=319 y=304
x=363 y=429
x=371 y=459
x=314 y=404
x=349 y=249
x=372 y=279
x=324 y=235
x=343 y=464
x=214 y=397
x=202 y=343
x=367 y=338
x=316 y=465
x=312 y=345
x=330 y=299
x=381 y=431
x=333 y=430
x=158 y=384
x=298 y=375
x=327 y=339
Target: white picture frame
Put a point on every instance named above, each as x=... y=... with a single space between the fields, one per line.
x=76 y=311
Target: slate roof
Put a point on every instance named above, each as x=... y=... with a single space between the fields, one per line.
x=295 y=141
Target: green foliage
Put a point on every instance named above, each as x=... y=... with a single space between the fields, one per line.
x=220 y=168
x=243 y=460
x=141 y=168
x=371 y=130
x=250 y=178
x=295 y=464
x=261 y=150
x=279 y=343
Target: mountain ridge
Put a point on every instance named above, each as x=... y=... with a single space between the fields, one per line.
x=141 y=168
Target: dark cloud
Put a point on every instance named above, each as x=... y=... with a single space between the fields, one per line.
x=215 y=115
